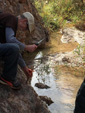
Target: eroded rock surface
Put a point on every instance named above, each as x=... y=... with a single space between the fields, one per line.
x=75 y=57
x=72 y=35
x=24 y=100
x=46 y=99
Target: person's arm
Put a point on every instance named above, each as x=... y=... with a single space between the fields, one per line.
x=21 y=61
x=11 y=39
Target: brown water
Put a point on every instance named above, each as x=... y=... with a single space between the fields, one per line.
x=63 y=80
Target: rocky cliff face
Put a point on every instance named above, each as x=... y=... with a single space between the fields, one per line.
x=18 y=7
x=25 y=100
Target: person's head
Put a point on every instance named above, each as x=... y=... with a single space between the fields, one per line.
x=26 y=21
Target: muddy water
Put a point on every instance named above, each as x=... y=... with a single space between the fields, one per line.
x=63 y=80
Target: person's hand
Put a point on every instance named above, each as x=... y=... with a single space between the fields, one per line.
x=28 y=72
x=30 y=48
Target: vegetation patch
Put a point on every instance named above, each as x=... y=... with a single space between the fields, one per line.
x=56 y=13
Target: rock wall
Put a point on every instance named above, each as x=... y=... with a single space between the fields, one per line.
x=18 y=7
x=25 y=100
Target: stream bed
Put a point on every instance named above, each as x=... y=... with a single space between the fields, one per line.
x=64 y=80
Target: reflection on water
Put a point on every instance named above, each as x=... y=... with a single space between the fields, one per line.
x=64 y=81
x=41 y=68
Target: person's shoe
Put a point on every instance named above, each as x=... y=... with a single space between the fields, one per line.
x=13 y=84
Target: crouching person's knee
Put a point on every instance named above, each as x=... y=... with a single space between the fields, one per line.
x=15 y=48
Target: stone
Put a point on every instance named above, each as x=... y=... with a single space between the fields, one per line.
x=42 y=86
x=64 y=59
x=46 y=99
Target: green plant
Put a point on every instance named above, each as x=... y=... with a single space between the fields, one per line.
x=78 y=50
x=56 y=12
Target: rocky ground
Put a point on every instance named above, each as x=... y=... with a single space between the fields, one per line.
x=75 y=57
x=24 y=100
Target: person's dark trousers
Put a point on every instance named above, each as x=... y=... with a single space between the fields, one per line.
x=9 y=52
x=80 y=100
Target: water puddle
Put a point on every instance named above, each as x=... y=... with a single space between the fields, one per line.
x=64 y=81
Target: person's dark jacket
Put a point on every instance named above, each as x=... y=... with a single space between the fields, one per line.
x=7 y=20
